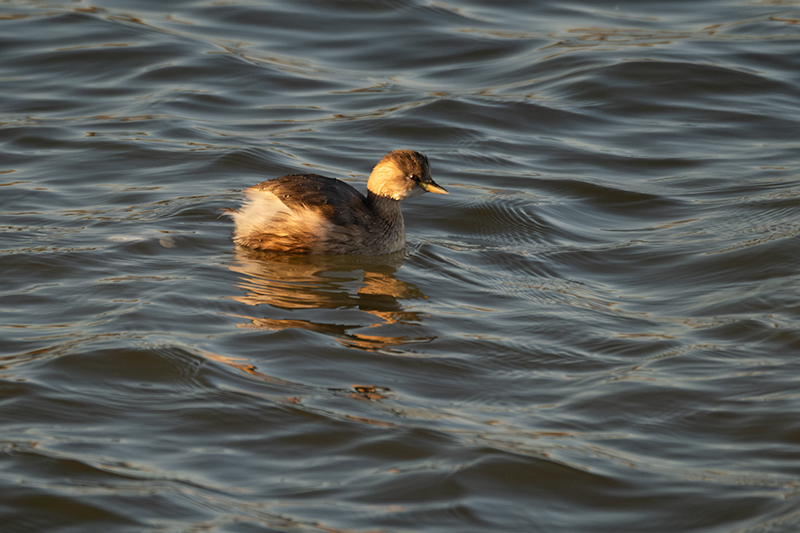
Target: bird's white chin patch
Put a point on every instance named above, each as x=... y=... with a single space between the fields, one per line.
x=405 y=195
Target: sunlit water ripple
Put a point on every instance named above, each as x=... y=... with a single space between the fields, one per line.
x=595 y=331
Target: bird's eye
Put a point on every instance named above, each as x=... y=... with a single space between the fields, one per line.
x=414 y=177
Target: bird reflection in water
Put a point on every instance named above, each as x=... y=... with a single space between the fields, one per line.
x=340 y=283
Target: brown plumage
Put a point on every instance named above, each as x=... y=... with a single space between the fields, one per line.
x=311 y=214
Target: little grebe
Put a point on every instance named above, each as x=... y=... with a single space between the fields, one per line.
x=311 y=214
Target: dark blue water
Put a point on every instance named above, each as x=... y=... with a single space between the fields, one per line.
x=597 y=330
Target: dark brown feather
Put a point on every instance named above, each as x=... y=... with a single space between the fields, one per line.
x=333 y=199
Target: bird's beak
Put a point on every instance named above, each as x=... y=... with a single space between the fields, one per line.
x=430 y=186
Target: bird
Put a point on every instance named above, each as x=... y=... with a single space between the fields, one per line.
x=316 y=215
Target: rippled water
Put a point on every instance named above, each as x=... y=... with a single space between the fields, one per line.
x=597 y=330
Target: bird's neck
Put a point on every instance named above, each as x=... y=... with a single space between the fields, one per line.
x=385 y=207
x=390 y=226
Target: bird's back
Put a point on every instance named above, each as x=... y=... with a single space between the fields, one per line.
x=330 y=198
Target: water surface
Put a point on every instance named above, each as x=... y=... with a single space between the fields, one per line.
x=597 y=330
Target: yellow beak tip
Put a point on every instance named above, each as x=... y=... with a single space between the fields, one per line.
x=432 y=187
